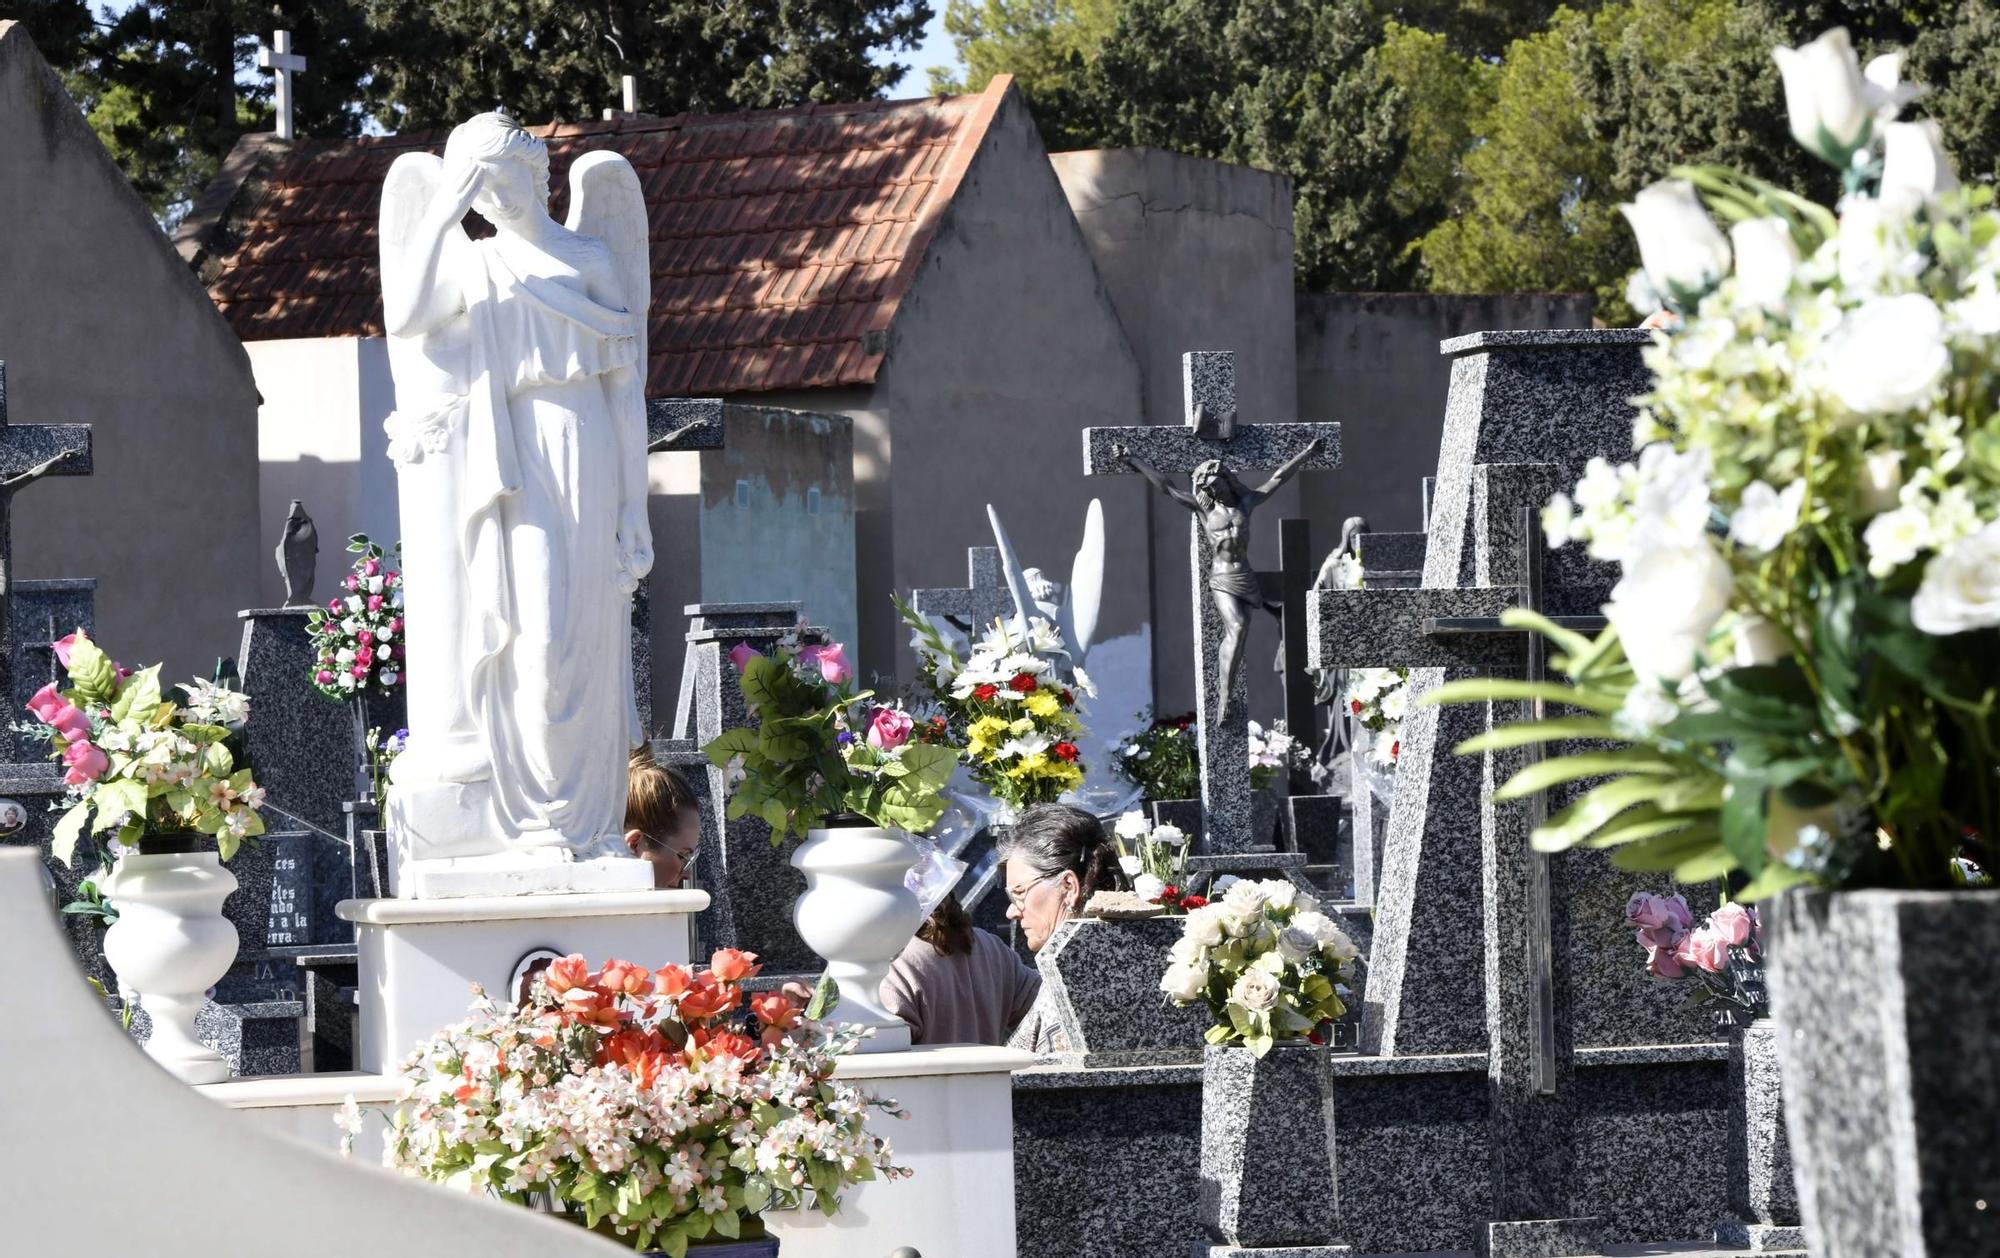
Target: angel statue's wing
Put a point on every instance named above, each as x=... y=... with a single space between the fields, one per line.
x=1010 y=564
x=1086 y=584
x=412 y=184
x=605 y=202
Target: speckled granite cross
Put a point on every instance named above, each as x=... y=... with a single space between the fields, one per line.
x=28 y=452
x=984 y=599
x=1212 y=431
x=674 y=424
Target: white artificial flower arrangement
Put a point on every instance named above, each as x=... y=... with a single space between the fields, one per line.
x=1377 y=700
x=1804 y=647
x=1266 y=961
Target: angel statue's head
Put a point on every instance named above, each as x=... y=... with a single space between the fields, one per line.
x=513 y=166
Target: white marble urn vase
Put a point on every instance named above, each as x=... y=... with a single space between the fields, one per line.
x=171 y=943
x=857 y=913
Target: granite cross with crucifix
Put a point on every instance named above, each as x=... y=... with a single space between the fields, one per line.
x=28 y=452
x=1212 y=446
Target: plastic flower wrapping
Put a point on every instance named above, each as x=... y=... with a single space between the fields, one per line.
x=1802 y=668
x=357 y=638
x=140 y=760
x=821 y=748
x=661 y=1107
x=1013 y=704
x=1266 y=961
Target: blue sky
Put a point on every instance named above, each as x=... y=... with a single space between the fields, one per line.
x=934 y=51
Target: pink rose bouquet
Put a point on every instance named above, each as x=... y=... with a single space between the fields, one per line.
x=358 y=639
x=1721 y=957
x=140 y=760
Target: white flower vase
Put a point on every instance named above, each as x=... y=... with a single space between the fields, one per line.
x=170 y=944
x=858 y=914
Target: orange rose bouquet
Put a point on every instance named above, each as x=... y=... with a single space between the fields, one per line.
x=663 y=1107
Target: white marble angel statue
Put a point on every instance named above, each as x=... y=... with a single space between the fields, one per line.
x=519 y=439
x=1072 y=609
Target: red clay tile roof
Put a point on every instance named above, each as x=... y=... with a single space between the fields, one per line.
x=780 y=238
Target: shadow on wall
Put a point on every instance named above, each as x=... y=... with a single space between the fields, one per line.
x=1371 y=362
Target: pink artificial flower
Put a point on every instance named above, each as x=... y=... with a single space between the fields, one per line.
x=366 y=637
x=374 y=602
x=364 y=657
x=360 y=671
x=353 y=582
x=1661 y=963
x=741 y=654
x=1734 y=923
x=395 y=624
x=832 y=661
x=71 y=723
x=86 y=763
x=333 y=605
x=323 y=677
x=889 y=729
x=45 y=703
x=61 y=646
x=372 y=568
x=1703 y=949
x=1661 y=920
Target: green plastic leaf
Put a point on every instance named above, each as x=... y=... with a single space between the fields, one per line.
x=1569 y=641
x=1529 y=733
x=115 y=799
x=1668 y=851
x=1552 y=772
x=91 y=673
x=729 y=745
x=138 y=697
x=1502 y=690
x=1587 y=814
x=1775 y=878
x=69 y=831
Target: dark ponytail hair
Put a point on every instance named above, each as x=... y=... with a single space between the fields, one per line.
x=1056 y=837
x=948 y=929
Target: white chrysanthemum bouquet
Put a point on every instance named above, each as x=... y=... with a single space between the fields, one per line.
x=1268 y=964
x=1803 y=662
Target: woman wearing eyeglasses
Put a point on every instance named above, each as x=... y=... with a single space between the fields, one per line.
x=1057 y=858
x=662 y=820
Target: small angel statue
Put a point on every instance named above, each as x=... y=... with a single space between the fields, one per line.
x=520 y=444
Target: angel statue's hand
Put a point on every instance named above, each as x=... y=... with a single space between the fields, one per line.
x=635 y=544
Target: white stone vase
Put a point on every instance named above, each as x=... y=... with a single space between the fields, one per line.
x=857 y=914
x=170 y=944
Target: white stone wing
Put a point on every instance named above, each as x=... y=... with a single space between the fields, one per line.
x=1010 y=565
x=411 y=186
x=1086 y=584
x=605 y=202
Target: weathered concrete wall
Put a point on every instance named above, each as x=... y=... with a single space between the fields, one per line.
x=1196 y=254
x=101 y=323
x=1006 y=348
x=777 y=514
x=320 y=440
x=1370 y=361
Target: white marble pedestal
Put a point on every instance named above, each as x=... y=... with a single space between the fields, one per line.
x=959 y=1139
x=419 y=958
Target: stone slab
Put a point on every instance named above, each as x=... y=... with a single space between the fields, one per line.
x=1178 y=450
x=540 y=871
x=44 y=611
x=1540 y=1238
x=1267 y=1148
x=1390 y=552
x=675 y=424
x=1202 y=1249
x=301 y=742
x=1100 y=990
x=1385 y=628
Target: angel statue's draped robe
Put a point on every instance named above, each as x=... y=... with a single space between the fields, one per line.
x=511 y=464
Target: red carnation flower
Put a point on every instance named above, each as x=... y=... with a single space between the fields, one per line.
x=1023 y=683
x=1068 y=699
x=1356 y=705
x=1395 y=749
x=1170 y=892
x=1194 y=902
x=985 y=692
x=1065 y=751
